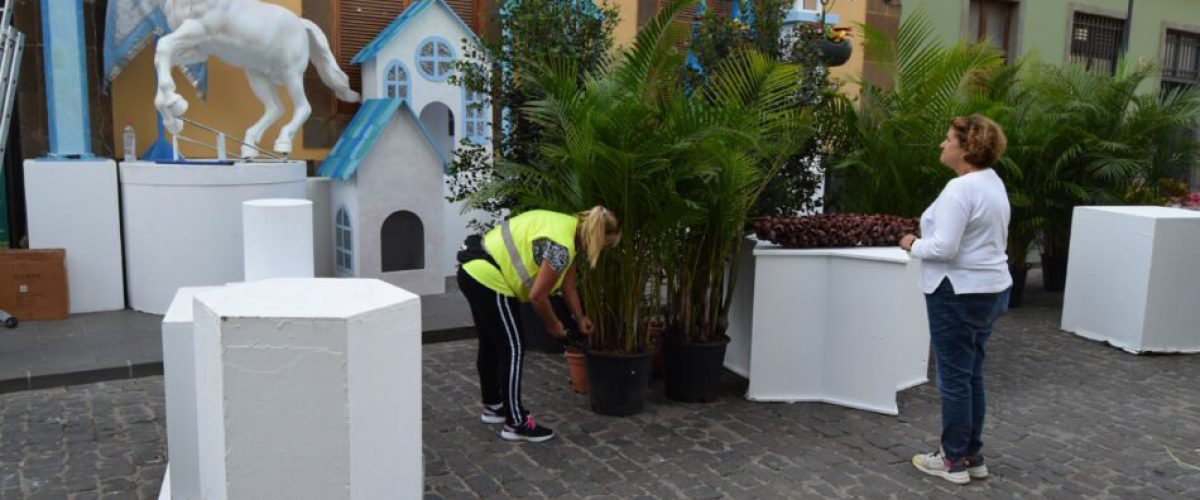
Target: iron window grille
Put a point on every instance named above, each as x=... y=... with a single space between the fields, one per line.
x=1181 y=58
x=1096 y=41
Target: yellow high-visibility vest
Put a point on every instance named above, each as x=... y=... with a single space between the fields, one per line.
x=515 y=277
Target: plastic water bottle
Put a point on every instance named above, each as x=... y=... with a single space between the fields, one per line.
x=130 y=144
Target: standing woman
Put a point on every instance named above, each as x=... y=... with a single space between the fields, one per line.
x=966 y=284
x=525 y=259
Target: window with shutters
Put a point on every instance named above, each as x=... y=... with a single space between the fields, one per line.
x=1096 y=41
x=435 y=58
x=1180 y=70
x=990 y=22
x=395 y=81
x=1181 y=58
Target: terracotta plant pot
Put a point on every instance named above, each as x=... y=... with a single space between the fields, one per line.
x=577 y=363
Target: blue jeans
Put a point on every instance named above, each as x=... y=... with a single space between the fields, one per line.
x=959 y=326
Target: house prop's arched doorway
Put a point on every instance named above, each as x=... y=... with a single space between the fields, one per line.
x=439 y=121
x=403 y=242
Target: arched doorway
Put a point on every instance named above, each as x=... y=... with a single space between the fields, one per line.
x=402 y=239
x=439 y=121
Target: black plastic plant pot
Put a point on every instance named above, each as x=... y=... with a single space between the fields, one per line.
x=693 y=371
x=836 y=53
x=536 y=336
x=1017 y=296
x=617 y=383
x=1054 y=272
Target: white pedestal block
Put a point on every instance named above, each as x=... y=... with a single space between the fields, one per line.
x=278 y=238
x=1131 y=278
x=179 y=379
x=309 y=388
x=741 y=314
x=320 y=193
x=842 y=326
x=74 y=205
x=183 y=223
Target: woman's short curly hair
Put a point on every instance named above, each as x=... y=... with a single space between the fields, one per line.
x=982 y=140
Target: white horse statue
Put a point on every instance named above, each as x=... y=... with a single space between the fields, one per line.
x=271 y=43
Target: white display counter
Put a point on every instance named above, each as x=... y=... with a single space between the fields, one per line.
x=73 y=205
x=1132 y=278
x=183 y=223
x=841 y=326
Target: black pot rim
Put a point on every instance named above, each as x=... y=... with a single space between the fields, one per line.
x=676 y=339
x=604 y=354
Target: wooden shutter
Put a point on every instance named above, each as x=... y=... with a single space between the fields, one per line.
x=469 y=11
x=359 y=22
x=686 y=20
x=721 y=7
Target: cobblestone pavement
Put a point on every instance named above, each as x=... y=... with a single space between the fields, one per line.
x=1068 y=418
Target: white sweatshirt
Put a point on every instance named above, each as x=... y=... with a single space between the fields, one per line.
x=966 y=236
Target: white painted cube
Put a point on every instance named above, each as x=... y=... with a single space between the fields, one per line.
x=309 y=388
x=1131 y=278
x=278 y=238
x=179 y=379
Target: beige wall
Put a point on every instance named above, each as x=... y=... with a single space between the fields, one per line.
x=230 y=107
x=627 y=27
x=851 y=13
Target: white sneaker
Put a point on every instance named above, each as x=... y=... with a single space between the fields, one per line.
x=492 y=415
x=976 y=468
x=935 y=464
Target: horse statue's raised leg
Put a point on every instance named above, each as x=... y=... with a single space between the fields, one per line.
x=266 y=92
x=168 y=53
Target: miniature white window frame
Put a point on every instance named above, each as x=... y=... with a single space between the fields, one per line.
x=396 y=78
x=344 y=242
x=475 y=116
x=439 y=57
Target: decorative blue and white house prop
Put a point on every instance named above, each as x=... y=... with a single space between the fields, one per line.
x=391 y=220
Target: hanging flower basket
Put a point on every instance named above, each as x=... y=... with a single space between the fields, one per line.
x=835 y=47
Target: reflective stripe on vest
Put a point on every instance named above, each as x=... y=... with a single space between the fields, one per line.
x=515 y=256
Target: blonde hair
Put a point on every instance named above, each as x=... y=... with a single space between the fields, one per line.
x=598 y=228
x=982 y=139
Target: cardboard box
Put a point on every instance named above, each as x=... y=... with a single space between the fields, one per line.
x=33 y=284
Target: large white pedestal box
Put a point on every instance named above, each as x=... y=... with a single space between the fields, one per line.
x=841 y=326
x=1132 y=278
x=278 y=238
x=183 y=223
x=309 y=388
x=74 y=205
x=179 y=381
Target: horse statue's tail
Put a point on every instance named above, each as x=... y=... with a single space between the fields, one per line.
x=327 y=66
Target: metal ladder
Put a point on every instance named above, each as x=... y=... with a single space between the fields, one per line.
x=12 y=44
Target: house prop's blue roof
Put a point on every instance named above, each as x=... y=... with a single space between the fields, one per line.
x=362 y=133
x=372 y=49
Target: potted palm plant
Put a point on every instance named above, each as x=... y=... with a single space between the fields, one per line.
x=754 y=128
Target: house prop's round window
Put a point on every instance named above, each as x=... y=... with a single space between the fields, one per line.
x=435 y=59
